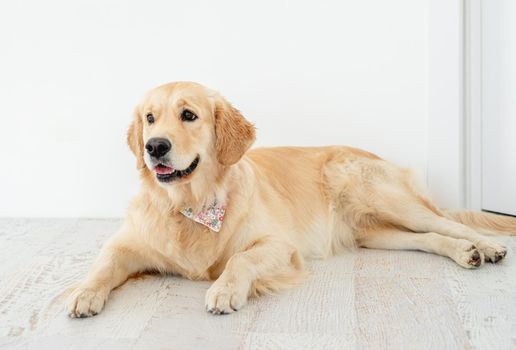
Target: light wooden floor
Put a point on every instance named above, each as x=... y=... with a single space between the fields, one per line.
x=364 y=299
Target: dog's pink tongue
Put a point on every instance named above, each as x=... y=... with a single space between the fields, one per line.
x=163 y=170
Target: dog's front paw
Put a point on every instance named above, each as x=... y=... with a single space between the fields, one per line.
x=493 y=251
x=86 y=302
x=225 y=298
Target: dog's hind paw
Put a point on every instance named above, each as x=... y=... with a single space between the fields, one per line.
x=468 y=255
x=493 y=251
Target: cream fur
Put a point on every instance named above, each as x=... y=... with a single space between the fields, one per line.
x=283 y=205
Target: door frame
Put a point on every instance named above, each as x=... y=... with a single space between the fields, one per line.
x=473 y=103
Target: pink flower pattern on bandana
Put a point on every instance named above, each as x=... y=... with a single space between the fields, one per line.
x=212 y=216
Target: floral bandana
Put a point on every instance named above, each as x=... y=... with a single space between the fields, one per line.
x=211 y=216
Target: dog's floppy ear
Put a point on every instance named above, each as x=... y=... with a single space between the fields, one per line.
x=234 y=134
x=135 y=139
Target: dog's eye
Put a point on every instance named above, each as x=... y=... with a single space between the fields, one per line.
x=188 y=116
x=150 y=118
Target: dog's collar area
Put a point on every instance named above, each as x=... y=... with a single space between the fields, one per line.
x=177 y=174
x=210 y=216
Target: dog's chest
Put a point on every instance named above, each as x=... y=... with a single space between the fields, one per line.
x=189 y=247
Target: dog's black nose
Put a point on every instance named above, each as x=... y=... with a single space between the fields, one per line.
x=158 y=147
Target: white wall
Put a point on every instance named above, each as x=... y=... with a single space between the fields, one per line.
x=446 y=145
x=341 y=72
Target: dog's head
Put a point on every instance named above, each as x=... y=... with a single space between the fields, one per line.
x=183 y=130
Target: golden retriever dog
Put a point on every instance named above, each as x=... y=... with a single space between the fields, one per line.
x=209 y=209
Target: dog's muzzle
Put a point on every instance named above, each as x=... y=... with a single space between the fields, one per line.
x=165 y=173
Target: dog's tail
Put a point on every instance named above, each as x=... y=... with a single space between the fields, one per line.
x=486 y=223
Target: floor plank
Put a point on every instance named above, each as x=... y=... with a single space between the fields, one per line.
x=364 y=299
x=486 y=300
x=403 y=301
